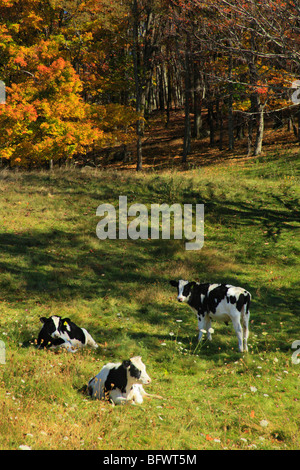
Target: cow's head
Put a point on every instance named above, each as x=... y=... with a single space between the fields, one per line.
x=55 y=326
x=136 y=370
x=184 y=289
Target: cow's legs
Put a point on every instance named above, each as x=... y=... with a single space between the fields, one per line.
x=201 y=323
x=245 y=320
x=118 y=398
x=238 y=329
x=208 y=327
x=204 y=323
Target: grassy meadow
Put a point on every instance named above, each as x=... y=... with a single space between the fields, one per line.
x=51 y=262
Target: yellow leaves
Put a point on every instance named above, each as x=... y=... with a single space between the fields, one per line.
x=62 y=128
x=115 y=123
x=6 y=3
x=33 y=20
x=45 y=116
x=58 y=77
x=17 y=108
x=14 y=27
x=6 y=152
x=242 y=105
x=45 y=126
x=5 y=37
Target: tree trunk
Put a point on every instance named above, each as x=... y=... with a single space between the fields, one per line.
x=240 y=127
x=250 y=134
x=162 y=86
x=221 y=129
x=211 y=123
x=197 y=102
x=230 y=109
x=137 y=78
x=260 y=130
x=169 y=94
x=187 y=120
x=139 y=152
x=144 y=37
x=257 y=108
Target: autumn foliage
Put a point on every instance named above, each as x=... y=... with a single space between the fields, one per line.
x=47 y=115
x=83 y=75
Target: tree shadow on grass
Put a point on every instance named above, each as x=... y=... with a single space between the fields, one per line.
x=60 y=265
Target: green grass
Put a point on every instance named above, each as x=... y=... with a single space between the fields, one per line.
x=51 y=262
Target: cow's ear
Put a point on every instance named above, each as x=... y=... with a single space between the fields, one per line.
x=174 y=283
x=65 y=322
x=192 y=284
x=43 y=320
x=126 y=363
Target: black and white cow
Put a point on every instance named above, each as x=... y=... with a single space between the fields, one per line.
x=121 y=382
x=221 y=302
x=62 y=332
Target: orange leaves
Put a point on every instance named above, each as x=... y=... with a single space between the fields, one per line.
x=58 y=76
x=6 y=3
x=19 y=60
x=45 y=117
x=261 y=89
x=42 y=69
x=17 y=109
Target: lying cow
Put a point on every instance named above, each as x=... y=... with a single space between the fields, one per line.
x=121 y=382
x=221 y=302
x=62 y=332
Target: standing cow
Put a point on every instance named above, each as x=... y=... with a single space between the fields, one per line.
x=221 y=302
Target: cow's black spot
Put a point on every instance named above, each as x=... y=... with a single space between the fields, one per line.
x=44 y=338
x=215 y=296
x=74 y=331
x=134 y=371
x=117 y=378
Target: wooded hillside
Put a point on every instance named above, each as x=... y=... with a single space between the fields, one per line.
x=83 y=76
